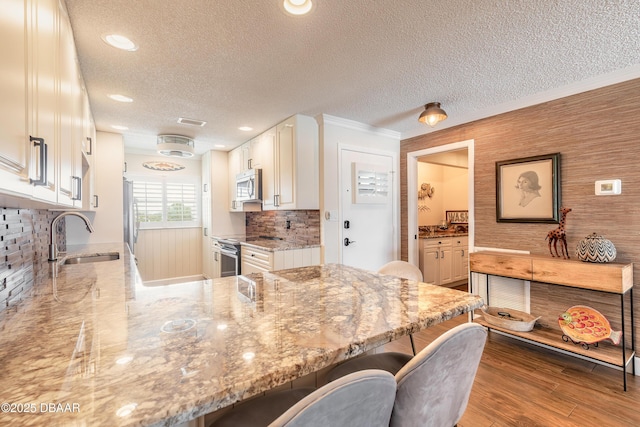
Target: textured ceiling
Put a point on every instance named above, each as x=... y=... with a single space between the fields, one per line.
x=377 y=62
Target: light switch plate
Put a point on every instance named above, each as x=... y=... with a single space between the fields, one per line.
x=607 y=187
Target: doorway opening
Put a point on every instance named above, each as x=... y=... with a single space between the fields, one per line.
x=445 y=155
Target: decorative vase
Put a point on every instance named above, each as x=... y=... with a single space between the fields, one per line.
x=595 y=248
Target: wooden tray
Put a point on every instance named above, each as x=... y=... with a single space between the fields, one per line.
x=509 y=318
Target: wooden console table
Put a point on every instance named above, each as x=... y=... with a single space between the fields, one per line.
x=610 y=278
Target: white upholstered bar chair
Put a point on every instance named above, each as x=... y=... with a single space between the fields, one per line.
x=361 y=399
x=407 y=271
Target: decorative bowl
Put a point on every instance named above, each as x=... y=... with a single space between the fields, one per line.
x=508 y=318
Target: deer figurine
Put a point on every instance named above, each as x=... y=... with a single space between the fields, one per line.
x=559 y=234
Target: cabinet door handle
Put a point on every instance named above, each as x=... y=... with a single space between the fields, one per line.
x=215 y=256
x=90 y=150
x=437 y=254
x=462 y=254
x=276 y=200
x=205 y=231
x=442 y=254
x=95 y=200
x=78 y=195
x=39 y=142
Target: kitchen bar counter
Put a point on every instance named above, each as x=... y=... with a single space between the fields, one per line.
x=94 y=346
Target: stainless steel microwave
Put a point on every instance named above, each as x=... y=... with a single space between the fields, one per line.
x=249 y=186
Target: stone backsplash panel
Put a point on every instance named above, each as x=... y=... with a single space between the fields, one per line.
x=304 y=225
x=24 y=244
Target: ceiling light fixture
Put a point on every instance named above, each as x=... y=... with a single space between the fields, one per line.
x=432 y=114
x=119 y=42
x=297 y=7
x=118 y=127
x=175 y=146
x=120 y=98
x=245 y=128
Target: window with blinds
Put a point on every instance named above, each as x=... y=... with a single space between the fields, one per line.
x=166 y=203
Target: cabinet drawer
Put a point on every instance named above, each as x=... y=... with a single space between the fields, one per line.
x=460 y=241
x=436 y=242
x=257 y=257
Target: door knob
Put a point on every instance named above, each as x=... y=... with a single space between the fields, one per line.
x=348 y=242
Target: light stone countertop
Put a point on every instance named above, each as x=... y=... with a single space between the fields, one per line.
x=113 y=352
x=273 y=245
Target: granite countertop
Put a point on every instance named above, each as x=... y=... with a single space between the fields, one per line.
x=274 y=244
x=441 y=234
x=106 y=350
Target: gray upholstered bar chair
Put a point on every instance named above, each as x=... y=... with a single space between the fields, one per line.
x=361 y=399
x=434 y=387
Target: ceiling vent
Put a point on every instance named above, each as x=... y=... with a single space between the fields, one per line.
x=191 y=122
x=175 y=146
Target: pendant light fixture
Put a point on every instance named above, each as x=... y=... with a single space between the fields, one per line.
x=432 y=114
x=175 y=146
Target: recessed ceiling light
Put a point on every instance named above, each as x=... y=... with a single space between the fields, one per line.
x=245 y=128
x=219 y=145
x=120 y=98
x=297 y=7
x=119 y=42
x=118 y=127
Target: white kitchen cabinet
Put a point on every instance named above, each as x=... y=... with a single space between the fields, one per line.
x=255 y=260
x=235 y=167
x=444 y=260
x=42 y=116
x=70 y=120
x=15 y=147
x=207 y=244
x=291 y=181
x=43 y=108
x=460 y=258
x=216 y=263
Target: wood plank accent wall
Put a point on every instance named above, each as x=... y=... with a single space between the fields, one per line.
x=168 y=253
x=597 y=134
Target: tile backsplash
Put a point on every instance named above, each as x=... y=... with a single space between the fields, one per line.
x=292 y=226
x=24 y=246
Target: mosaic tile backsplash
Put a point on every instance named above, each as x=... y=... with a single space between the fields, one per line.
x=292 y=226
x=24 y=244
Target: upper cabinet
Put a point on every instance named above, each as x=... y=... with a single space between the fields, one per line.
x=45 y=113
x=15 y=146
x=291 y=181
x=236 y=163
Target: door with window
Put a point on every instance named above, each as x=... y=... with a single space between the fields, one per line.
x=368 y=219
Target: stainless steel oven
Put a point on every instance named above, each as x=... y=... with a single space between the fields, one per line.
x=229 y=250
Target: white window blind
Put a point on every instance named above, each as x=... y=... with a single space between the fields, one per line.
x=166 y=203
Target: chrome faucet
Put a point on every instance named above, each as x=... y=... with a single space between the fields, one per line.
x=53 y=246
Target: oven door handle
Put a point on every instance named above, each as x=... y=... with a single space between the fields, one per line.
x=233 y=254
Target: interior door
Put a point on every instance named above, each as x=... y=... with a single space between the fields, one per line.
x=368 y=222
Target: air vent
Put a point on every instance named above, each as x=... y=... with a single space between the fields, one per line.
x=175 y=146
x=191 y=122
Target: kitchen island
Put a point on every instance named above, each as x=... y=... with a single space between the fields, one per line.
x=92 y=345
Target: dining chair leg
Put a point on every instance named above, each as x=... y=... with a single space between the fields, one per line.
x=413 y=346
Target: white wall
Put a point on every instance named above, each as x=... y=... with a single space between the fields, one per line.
x=451 y=189
x=107 y=217
x=333 y=132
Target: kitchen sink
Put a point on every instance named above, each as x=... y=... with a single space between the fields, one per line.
x=85 y=259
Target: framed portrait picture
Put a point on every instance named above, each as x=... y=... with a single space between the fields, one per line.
x=528 y=189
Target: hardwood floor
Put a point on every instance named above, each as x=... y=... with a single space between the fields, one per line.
x=520 y=384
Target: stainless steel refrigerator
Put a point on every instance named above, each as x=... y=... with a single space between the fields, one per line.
x=130 y=223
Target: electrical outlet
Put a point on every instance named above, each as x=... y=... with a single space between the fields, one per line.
x=288 y=224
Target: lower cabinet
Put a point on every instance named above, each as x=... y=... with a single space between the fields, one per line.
x=444 y=260
x=255 y=260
